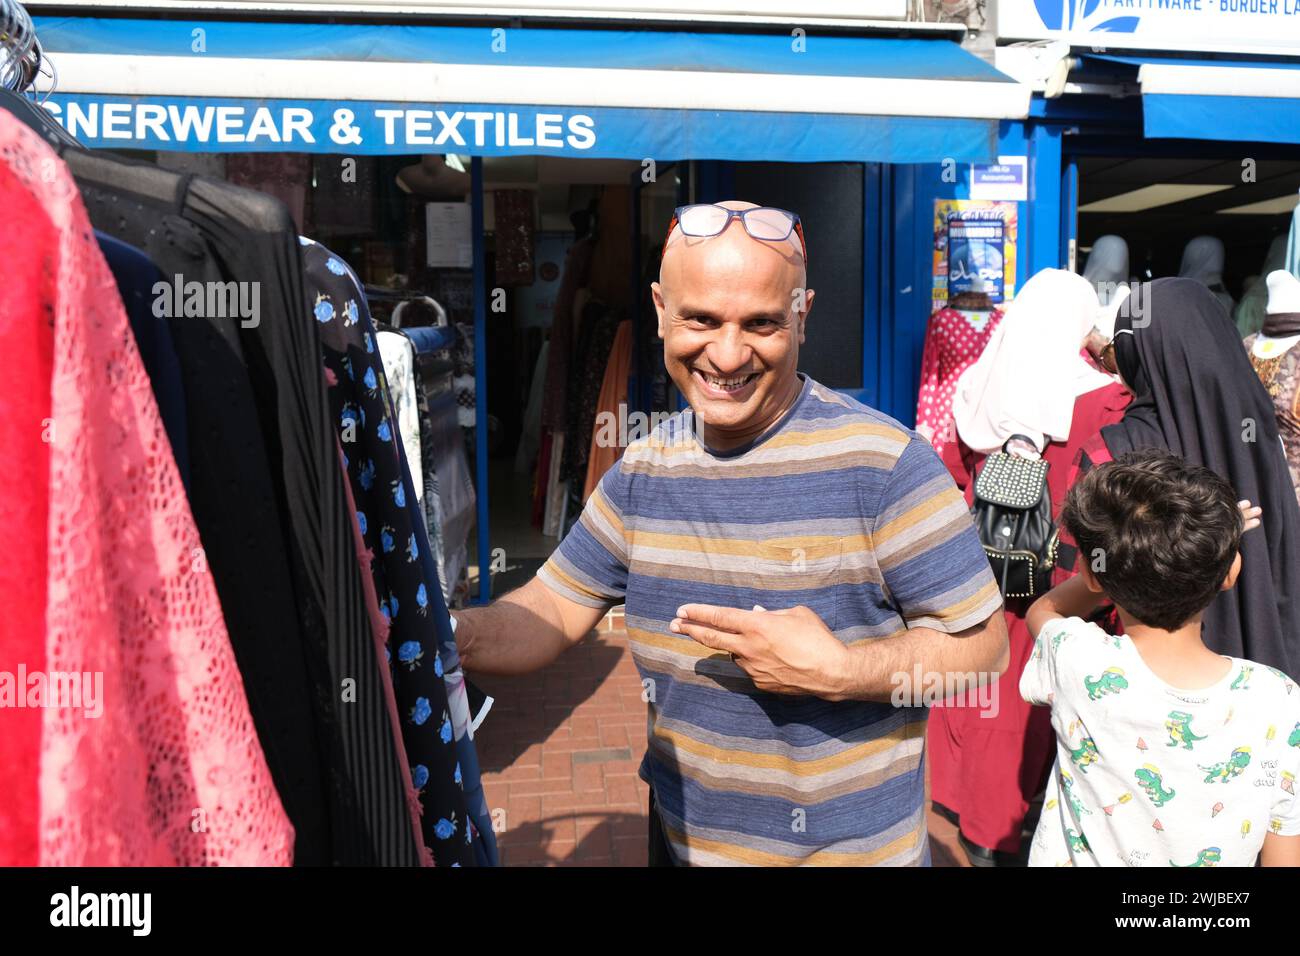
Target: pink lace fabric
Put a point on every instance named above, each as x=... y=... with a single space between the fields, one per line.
x=171 y=771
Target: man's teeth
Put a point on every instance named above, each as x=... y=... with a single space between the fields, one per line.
x=728 y=384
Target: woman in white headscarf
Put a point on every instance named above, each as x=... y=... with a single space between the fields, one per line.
x=1033 y=379
x=1203 y=261
x=1107 y=267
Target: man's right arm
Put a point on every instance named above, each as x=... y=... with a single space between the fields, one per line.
x=523 y=631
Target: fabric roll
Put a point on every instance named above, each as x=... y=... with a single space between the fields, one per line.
x=611 y=406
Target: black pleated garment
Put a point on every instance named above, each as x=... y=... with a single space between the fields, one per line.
x=1196 y=395
x=268 y=500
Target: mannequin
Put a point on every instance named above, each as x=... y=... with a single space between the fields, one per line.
x=1276 y=360
x=1107 y=266
x=1249 y=314
x=954 y=339
x=1203 y=261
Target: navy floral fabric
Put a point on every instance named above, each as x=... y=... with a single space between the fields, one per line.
x=408 y=600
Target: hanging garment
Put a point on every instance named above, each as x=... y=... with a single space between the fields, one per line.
x=953 y=341
x=595 y=341
x=407 y=597
x=611 y=409
x=553 y=514
x=379 y=627
x=282 y=175
x=269 y=503
x=1193 y=389
x=136 y=277
x=555 y=400
x=171 y=742
x=541 y=476
x=530 y=436
x=26 y=338
x=399 y=369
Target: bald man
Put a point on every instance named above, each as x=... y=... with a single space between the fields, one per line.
x=797 y=570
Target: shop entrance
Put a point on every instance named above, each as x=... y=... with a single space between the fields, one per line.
x=1159 y=203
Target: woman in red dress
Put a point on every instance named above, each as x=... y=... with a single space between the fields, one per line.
x=1034 y=380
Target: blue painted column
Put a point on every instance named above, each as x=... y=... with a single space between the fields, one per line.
x=480 y=380
x=1044 y=219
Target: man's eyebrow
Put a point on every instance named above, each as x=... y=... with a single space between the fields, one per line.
x=690 y=312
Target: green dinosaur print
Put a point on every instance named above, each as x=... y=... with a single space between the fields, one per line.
x=1067 y=785
x=1227 y=769
x=1057 y=638
x=1085 y=754
x=1111 y=681
x=1078 y=842
x=1242 y=680
x=1294 y=739
x=1207 y=857
x=1180 y=729
x=1149 y=779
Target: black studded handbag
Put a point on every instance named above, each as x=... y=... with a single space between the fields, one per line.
x=1013 y=515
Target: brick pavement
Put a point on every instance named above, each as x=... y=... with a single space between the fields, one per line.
x=559 y=754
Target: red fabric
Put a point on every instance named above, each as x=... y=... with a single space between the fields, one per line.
x=29 y=254
x=541 y=479
x=952 y=344
x=156 y=761
x=988 y=768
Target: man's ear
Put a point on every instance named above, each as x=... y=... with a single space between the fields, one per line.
x=657 y=293
x=1230 y=579
x=808 y=297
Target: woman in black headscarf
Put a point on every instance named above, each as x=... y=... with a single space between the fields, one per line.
x=1196 y=395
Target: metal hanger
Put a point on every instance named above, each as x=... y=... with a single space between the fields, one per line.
x=21 y=61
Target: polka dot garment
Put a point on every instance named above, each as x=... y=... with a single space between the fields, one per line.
x=954 y=339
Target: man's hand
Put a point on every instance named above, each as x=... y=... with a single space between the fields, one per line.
x=783 y=652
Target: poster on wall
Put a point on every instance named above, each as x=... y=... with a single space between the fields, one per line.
x=975 y=242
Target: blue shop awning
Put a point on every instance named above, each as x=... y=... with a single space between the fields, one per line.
x=367 y=89
x=1245 y=100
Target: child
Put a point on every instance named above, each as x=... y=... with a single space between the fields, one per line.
x=1168 y=754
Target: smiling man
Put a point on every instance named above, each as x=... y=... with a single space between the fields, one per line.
x=789 y=560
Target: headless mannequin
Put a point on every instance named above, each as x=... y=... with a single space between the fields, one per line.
x=976 y=306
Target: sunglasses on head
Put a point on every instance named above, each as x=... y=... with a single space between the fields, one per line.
x=765 y=223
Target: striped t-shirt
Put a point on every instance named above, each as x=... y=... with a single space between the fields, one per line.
x=838 y=508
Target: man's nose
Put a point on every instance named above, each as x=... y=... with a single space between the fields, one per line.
x=728 y=352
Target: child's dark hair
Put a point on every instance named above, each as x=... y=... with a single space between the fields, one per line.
x=1158 y=533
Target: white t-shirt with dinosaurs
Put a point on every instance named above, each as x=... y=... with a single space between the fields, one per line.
x=1150 y=775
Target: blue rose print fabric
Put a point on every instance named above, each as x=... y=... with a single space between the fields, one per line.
x=409 y=600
